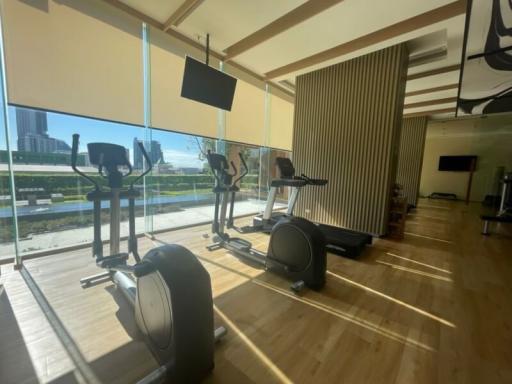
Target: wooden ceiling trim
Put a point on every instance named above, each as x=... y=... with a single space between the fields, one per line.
x=295 y=16
x=193 y=43
x=288 y=84
x=183 y=11
x=426 y=103
x=133 y=12
x=432 y=90
x=433 y=72
x=429 y=113
x=425 y=19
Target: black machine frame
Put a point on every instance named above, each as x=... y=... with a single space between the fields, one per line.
x=296 y=247
x=340 y=241
x=174 y=316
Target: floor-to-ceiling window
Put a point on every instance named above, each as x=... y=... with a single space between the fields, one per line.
x=7 y=233
x=138 y=84
x=52 y=208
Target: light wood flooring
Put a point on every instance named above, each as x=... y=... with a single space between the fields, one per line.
x=433 y=308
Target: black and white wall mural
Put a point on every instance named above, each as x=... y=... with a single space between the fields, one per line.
x=486 y=81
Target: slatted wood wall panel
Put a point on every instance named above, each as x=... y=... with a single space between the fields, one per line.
x=346 y=129
x=410 y=158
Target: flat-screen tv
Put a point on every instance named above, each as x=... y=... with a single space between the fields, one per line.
x=207 y=85
x=457 y=163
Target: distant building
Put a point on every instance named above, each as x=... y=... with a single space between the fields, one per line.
x=189 y=170
x=42 y=158
x=167 y=169
x=154 y=152
x=32 y=128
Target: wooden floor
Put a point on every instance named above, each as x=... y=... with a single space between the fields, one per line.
x=433 y=308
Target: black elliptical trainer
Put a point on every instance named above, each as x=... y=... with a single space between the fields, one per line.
x=296 y=248
x=168 y=288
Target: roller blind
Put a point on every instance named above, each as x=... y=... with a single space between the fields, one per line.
x=168 y=109
x=281 y=123
x=74 y=56
x=246 y=121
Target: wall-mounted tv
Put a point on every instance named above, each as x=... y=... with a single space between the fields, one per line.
x=207 y=85
x=457 y=163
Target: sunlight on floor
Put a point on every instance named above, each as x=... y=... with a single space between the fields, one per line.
x=440 y=218
x=400 y=302
x=433 y=206
x=264 y=358
x=348 y=317
x=415 y=271
x=326 y=308
x=419 y=263
x=81 y=369
x=428 y=237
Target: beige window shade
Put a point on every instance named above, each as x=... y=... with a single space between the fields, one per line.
x=246 y=121
x=74 y=56
x=168 y=109
x=281 y=123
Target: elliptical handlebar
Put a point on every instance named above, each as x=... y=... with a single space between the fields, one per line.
x=149 y=165
x=235 y=170
x=245 y=170
x=74 y=156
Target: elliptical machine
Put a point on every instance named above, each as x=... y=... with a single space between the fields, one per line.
x=168 y=288
x=296 y=249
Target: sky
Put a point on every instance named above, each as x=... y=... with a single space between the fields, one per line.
x=180 y=150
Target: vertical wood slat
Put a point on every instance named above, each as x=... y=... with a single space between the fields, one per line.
x=410 y=160
x=347 y=129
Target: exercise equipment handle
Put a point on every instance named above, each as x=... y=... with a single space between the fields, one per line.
x=306 y=178
x=149 y=165
x=74 y=156
x=235 y=171
x=245 y=170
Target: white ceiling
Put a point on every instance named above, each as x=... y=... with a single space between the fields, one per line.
x=229 y=21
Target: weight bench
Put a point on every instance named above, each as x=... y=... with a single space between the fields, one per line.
x=498 y=219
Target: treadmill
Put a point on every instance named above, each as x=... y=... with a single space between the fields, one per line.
x=343 y=242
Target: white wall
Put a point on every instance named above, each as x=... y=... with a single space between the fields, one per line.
x=489 y=138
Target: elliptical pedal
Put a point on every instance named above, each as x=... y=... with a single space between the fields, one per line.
x=298 y=286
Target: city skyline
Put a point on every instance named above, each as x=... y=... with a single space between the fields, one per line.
x=178 y=149
x=32 y=133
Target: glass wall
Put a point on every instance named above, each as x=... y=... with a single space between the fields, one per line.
x=7 y=247
x=51 y=207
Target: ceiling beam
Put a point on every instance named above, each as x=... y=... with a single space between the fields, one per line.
x=133 y=12
x=288 y=84
x=429 y=113
x=433 y=72
x=428 y=57
x=437 y=15
x=432 y=90
x=183 y=11
x=155 y=23
x=295 y=16
x=426 y=103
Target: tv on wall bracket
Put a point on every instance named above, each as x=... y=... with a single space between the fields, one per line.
x=207 y=85
x=486 y=74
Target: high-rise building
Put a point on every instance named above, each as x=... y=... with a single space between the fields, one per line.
x=32 y=127
x=154 y=152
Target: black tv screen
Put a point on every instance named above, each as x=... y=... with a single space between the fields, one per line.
x=207 y=85
x=456 y=163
